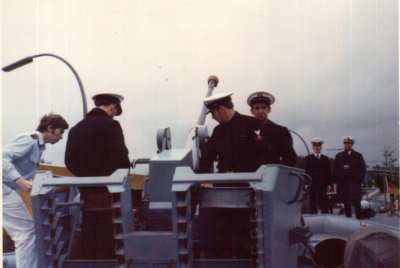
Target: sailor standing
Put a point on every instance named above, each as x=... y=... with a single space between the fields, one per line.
x=348 y=174
x=318 y=167
x=96 y=147
x=21 y=157
x=276 y=143
x=233 y=142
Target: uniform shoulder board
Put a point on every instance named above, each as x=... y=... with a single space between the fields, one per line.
x=35 y=136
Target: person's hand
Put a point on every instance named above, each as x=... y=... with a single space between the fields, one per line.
x=207 y=185
x=25 y=185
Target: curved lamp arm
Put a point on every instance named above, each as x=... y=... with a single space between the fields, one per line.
x=28 y=60
x=305 y=144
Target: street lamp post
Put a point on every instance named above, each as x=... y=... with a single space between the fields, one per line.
x=29 y=59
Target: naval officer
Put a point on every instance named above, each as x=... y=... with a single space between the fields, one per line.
x=318 y=167
x=233 y=142
x=348 y=174
x=96 y=147
x=276 y=146
x=21 y=157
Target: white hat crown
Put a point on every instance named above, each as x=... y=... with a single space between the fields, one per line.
x=216 y=97
x=317 y=140
x=260 y=95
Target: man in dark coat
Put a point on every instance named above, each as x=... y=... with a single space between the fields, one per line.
x=318 y=167
x=348 y=174
x=276 y=146
x=96 y=147
x=233 y=142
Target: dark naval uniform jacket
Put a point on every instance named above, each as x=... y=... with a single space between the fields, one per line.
x=276 y=145
x=234 y=143
x=319 y=170
x=348 y=173
x=96 y=146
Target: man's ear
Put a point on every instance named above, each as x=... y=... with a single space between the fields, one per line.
x=49 y=128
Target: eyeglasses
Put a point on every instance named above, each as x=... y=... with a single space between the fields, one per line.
x=258 y=107
x=347 y=142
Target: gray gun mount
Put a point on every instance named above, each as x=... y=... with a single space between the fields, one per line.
x=272 y=198
x=55 y=224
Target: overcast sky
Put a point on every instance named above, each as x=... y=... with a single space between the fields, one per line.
x=331 y=65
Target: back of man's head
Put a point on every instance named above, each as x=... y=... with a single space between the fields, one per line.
x=108 y=99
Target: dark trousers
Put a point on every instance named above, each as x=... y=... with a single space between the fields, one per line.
x=357 y=207
x=318 y=199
